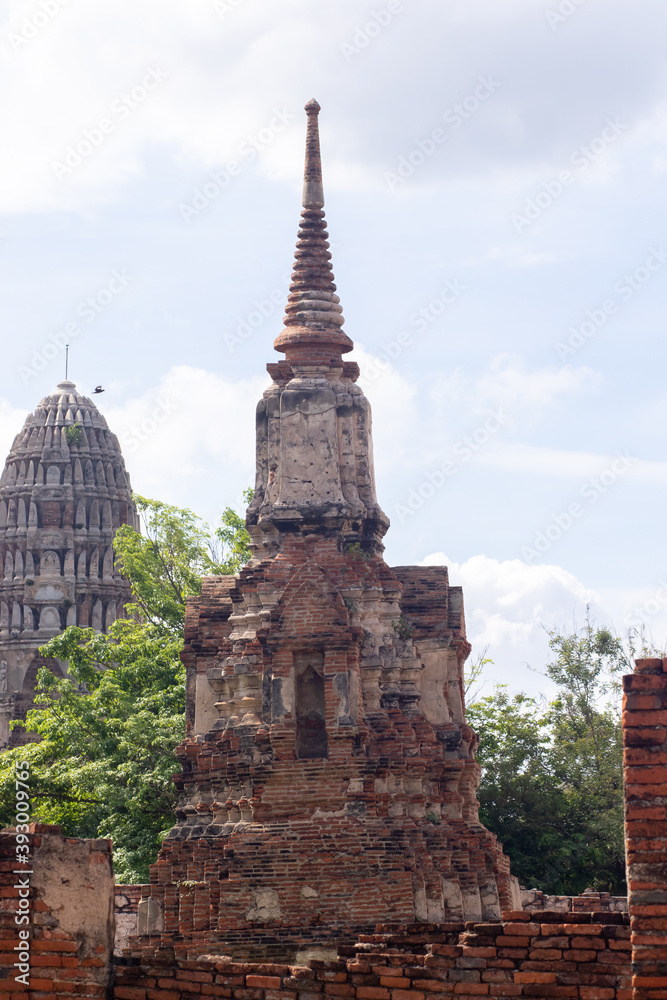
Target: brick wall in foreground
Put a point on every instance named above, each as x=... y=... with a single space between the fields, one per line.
x=582 y=956
x=65 y=916
x=645 y=765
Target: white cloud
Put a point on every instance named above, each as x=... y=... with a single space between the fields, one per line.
x=543 y=461
x=191 y=435
x=508 y=382
x=225 y=77
x=461 y=401
x=392 y=399
x=509 y=605
x=640 y=608
x=226 y=73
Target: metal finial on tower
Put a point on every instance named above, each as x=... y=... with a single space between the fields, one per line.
x=66 y=361
x=313 y=317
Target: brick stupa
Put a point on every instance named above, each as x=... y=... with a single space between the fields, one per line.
x=328 y=775
x=63 y=493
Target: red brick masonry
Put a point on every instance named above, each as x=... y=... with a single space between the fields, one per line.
x=126 y=902
x=70 y=916
x=583 y=956
x=645 y=765
x=578 y=953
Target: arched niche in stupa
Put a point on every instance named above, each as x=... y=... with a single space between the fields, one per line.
x=50 y=564
x=49 y=618
x=311 y=726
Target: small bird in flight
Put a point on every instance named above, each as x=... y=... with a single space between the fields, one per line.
x=98 y=388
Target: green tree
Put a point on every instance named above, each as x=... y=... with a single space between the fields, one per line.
x=473 y=681
x=520 y=797
x=585 y=720
x=107 y=732
x=552 y=777
x=105 y=757
x=231 y=549
x=166 y=563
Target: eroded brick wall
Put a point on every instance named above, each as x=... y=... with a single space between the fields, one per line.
x=589 y=902
x=273 y=845
x=645 y=741
x=69 y=906
x=126 y=902
x=581 y=956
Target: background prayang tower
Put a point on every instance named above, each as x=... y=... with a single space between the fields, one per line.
x=328 y=776
x=63 y=493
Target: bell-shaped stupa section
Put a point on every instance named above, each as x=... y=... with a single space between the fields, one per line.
x=63 y=493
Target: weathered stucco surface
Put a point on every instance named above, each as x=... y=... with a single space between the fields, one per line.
x=75 y=881
x=70 y=911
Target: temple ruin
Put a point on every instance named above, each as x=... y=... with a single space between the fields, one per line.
x=63 y=493
x=327 y=843
x=328 y=774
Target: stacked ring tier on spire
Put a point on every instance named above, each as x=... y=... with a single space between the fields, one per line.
x=314 y=315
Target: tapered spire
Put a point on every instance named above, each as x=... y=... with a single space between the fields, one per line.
x=314 y=316
x=313 y=193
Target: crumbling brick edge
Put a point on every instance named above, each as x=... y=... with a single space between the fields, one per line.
x=645 y=769
x=583 y=956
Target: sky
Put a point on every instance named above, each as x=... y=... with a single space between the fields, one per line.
x=494 y=178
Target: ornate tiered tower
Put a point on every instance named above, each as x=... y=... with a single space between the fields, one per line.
x=63 y=493
x=328 y=776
